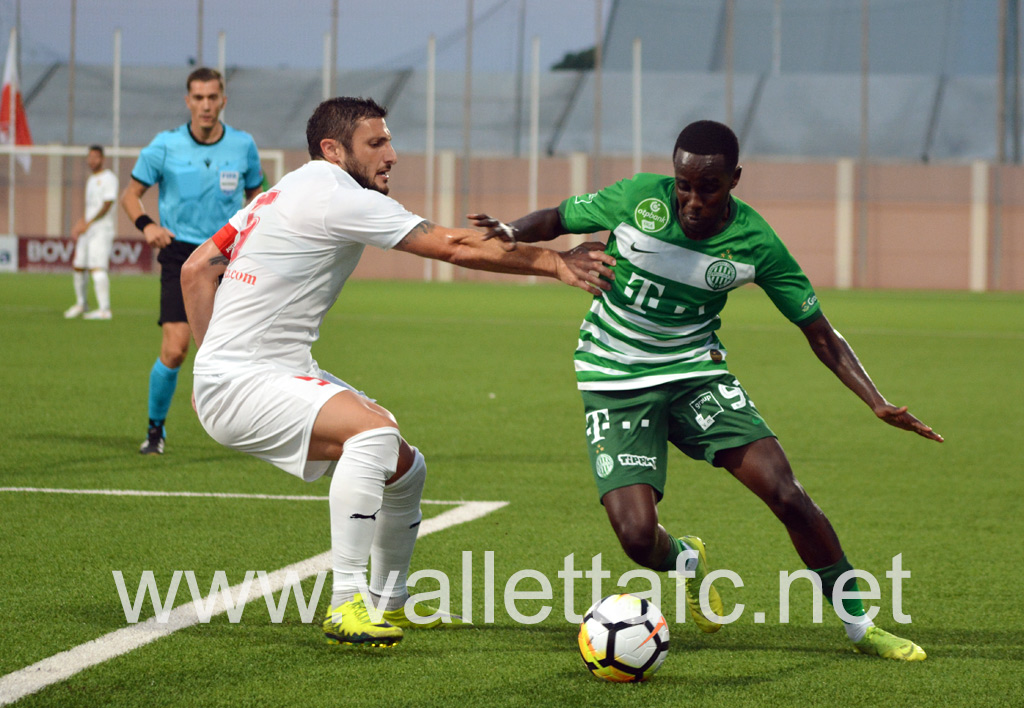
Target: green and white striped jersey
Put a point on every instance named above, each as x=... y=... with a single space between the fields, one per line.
x=658 y=322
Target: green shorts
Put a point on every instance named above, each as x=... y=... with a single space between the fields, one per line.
x=628 y=431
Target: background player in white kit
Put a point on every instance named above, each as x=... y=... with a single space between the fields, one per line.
x=94 y=237
x=283 y=260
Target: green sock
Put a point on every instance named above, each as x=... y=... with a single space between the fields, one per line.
x=674 y=550
x=853 y=606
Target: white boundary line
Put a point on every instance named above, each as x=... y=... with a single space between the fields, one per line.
x=208 y=495
x=59 y=667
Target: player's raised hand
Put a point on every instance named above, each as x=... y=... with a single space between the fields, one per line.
x=899 y=417
x=587 y=266
x=495 y=229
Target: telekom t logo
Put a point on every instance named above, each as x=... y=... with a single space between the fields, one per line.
x=641 y=293
x=596 y=422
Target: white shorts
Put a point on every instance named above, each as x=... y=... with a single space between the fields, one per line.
x=92 y=250
x=269 y=414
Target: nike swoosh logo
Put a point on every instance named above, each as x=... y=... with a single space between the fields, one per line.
x=661 y=624
x=633 y=247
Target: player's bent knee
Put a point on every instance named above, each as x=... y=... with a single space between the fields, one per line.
x=408 y=456
x=174 y=346
x=790 y=503
x=173 y=360
x=343 y=417
x=372 y=420
x=174 y=349
x=638 y=540
x=633 y=513
x=375 y=449
x=412 y=467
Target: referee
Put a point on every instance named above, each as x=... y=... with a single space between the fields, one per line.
x=206 y=171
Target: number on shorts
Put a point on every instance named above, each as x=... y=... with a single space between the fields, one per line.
x=733 y=392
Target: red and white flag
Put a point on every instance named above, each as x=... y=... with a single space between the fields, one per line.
x=20 y=134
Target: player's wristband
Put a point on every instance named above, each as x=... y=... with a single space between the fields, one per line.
x=142 y=222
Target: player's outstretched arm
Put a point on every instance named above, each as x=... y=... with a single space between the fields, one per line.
x=834 y=351
x=540 y=225
x=199 y=279
x=587 y=266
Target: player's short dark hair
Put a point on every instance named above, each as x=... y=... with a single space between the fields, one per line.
x=204 y=73
x=337 y=118
x=708 y=137
x=97 y=148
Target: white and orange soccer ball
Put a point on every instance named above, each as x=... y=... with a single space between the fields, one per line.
x=623 y=638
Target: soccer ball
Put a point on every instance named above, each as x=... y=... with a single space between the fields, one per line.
x=623 y=638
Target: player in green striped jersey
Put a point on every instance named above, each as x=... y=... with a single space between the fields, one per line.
x=652 y=369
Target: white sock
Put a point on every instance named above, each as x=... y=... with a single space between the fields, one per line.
x=355 y=496
x=856 y=630
x=81 y=282
x=101 y=283
x=398 y=524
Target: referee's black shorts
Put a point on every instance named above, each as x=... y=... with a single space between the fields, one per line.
x=171 y=258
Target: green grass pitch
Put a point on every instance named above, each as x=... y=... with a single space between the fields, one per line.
x=480 y=378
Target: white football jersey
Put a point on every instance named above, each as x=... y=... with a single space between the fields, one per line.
x=99 y=189
x=292 y=250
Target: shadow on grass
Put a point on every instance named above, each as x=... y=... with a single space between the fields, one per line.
x=485 y=461
x=91 y=448
x=959 y=643
x=825 y=641
x=63 y=438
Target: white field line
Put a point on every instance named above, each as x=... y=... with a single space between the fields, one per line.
x=59 y=667
x=208 y=495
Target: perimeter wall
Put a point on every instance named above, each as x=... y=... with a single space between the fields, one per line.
x=926 y=226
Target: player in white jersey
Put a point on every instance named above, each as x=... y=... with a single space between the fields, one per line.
x=94 y=238
x=256 y=294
